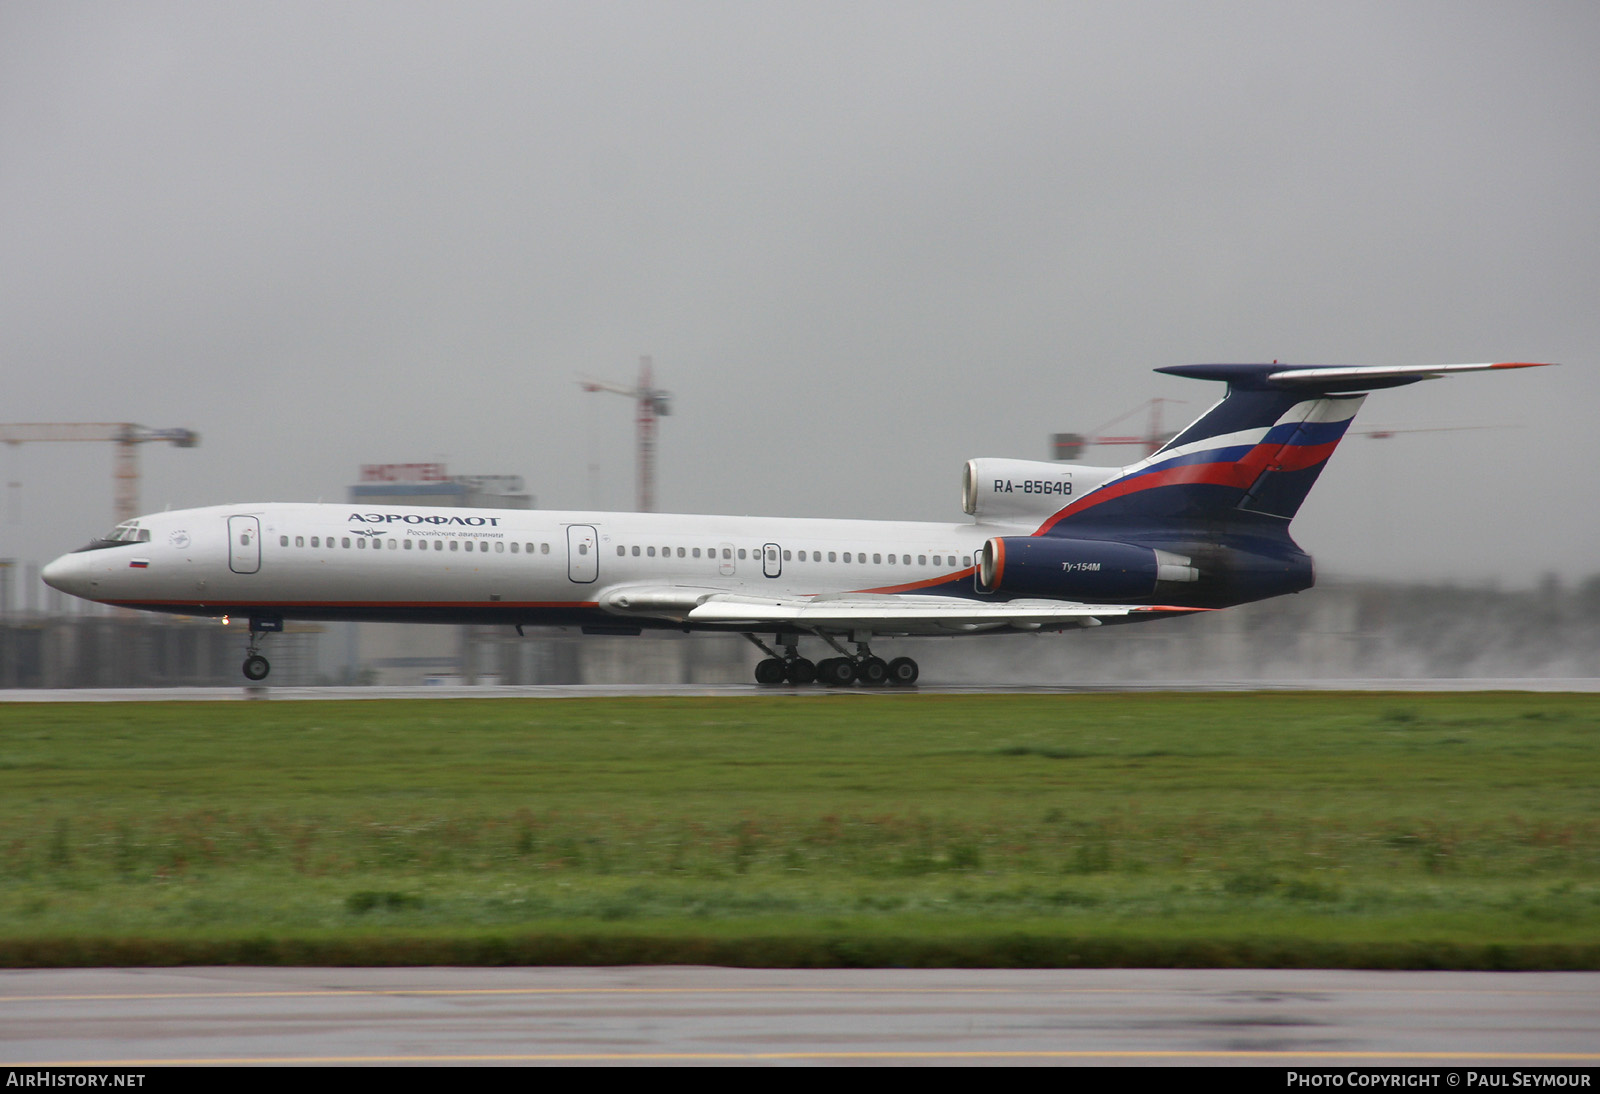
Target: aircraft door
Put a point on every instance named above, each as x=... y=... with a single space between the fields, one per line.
x=244 y=545
x=771 y=560
x=583 y=553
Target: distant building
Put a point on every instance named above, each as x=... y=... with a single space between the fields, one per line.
x=430 y=484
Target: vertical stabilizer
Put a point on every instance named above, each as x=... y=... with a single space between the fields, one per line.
x=1251 y=458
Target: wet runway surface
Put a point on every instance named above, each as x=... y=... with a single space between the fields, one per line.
x=138 y=1018
x=578 y=691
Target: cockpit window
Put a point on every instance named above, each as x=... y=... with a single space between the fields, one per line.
x=128 y=532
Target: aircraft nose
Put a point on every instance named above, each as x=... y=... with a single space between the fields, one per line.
x=65 y=573
x=54 y=572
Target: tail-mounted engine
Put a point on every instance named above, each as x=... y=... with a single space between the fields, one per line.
x=1077 y=569
x=1024 y=491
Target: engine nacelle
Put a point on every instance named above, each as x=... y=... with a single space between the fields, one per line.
x=1077 y=569
x=1023 y=491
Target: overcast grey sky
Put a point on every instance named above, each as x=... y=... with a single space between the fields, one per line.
x=863 y=242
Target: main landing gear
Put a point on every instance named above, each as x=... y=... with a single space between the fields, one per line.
x=835 y=672
x=255 y=666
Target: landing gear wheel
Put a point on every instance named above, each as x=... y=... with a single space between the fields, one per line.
x=800 y=671
x=836 y=672
x=769 y=671
x=903 y=672
x=872 y=672
x=256 y=667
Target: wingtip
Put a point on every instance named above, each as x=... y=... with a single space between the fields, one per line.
x=1522 y=364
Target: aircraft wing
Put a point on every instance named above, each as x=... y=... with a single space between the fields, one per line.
x=880 y=613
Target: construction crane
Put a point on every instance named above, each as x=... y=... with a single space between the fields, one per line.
x=652 y=403
x=125 y=435
x=1069 y=446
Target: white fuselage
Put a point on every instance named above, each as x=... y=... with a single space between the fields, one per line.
x=518 y=566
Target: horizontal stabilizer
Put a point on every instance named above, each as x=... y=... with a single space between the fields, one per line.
x=1380 y=375
x=1329 y=379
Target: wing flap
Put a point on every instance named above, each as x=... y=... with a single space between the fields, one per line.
x=879 y=612
x=903 y=614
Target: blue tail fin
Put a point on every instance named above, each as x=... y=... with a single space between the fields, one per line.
x=1252 y=457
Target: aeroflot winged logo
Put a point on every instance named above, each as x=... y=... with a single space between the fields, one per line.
x=423 y=518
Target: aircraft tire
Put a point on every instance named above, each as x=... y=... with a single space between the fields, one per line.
x=256 y=667
x=800 y=671
x=872 y=672
x=769 y=671
x=836 y=672
x=903 y=672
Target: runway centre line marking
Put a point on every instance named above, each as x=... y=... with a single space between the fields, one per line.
x=819 y=990
x=615 y=1057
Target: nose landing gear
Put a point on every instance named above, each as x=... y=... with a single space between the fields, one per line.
x=256 y=667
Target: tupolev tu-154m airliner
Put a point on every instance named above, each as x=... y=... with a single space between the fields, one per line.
x=1201 y=524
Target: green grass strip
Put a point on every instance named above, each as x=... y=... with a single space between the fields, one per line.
x=1223 y=829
